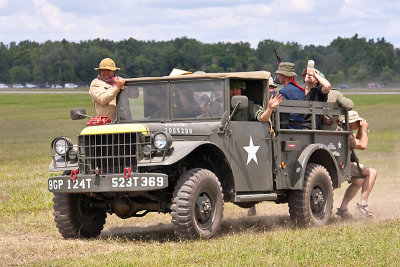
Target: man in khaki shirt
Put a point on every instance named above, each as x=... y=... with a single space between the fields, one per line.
x=105 y=88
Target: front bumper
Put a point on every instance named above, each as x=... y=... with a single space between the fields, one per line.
x=108 y=183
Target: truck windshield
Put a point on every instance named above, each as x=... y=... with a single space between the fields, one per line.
x=186 y=99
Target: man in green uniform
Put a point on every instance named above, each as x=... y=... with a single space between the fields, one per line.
x=254 y=112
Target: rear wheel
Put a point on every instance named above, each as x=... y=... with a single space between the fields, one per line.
x=197 y=205
x=312 y=205
x=75 y=216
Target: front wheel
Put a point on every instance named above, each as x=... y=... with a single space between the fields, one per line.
x=312 y=205
x=197 y=205
x=75 y=216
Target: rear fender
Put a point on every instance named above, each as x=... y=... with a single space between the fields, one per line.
x=319 y=154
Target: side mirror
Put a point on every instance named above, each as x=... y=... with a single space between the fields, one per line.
x=242 y=100
x=78 y=114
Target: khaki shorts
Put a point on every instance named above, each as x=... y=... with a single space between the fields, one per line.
x=355 y=172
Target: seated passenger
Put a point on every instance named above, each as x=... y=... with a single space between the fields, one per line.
x=290 y=91
x=254 y=111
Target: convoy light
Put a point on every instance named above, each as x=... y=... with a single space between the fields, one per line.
x=72 y=154
x=162 y=140
x=147 y=150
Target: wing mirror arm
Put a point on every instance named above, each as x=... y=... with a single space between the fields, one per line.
x=226 y=118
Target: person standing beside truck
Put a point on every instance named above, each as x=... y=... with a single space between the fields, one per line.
x=105 y=87
x=361 y=176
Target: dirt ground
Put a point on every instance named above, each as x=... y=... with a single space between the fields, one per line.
x=20 y=246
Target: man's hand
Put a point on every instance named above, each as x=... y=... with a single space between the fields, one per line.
x=274 y=101
x=364 y=124
x=120 y=83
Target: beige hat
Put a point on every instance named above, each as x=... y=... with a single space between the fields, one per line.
x=353 y=116
x=107 y=64
x=271 y=82
x=177 y=72
x=287 y=69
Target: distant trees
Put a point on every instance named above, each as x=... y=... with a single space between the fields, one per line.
x=352 y=60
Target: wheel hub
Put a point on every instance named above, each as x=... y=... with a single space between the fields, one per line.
x=317 y=200
x=203 y=208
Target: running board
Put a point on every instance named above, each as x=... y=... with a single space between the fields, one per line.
x=256 y=197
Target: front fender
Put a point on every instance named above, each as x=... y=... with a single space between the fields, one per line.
x=319 y=154
x=180 y=150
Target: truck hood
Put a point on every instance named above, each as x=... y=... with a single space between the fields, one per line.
x=173 y=128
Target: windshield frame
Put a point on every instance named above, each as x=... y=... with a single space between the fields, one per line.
x=209 y=88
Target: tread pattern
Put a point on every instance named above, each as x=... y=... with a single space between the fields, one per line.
x=299 y=200
x=72 y=221
x=188 y=187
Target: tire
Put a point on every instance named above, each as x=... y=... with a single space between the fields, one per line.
x=312 y=205
x=197 y=205
x=75 y=218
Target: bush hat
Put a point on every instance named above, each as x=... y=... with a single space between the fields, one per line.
x=271 y=82
x=287 y=69
x=353 y=117
x=107 y=64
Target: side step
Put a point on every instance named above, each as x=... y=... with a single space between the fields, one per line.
x=256 y=197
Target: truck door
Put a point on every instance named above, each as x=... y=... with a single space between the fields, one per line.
x=251 y=156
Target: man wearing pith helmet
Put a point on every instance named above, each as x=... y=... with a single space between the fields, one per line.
x=105 y=87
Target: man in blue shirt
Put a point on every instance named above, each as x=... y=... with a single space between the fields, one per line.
x=290 y=91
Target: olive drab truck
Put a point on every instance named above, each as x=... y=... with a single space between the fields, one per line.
x=175 y=148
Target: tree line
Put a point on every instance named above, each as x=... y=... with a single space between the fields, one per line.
x=354 y=60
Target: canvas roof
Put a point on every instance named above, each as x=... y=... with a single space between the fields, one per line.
x=256 y=75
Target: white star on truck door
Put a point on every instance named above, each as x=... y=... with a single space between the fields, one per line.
x=251 y=151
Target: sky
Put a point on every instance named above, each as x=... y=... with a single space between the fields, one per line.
x=306 y=22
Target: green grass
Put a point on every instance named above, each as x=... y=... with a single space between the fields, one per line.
x=28 y=234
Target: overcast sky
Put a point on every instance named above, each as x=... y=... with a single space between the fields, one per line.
x=306 y=22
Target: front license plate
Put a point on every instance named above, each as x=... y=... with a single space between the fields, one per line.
x=108 y=183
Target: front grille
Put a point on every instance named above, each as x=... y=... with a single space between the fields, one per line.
x=111 y=153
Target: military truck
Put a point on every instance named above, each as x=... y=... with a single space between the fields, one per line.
x=175 y=148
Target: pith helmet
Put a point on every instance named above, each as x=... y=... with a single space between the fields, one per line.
x=107 y=64
x=287 y=69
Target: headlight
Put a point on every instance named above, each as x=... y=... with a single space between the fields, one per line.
x=162 y=140
x=62 y=146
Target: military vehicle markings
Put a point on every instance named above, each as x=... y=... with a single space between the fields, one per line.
x=178 y=128
x=251 y=151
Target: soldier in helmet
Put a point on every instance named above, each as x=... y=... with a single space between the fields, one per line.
x=105 y=88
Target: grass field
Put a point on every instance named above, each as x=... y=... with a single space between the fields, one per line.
x=28 y=235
